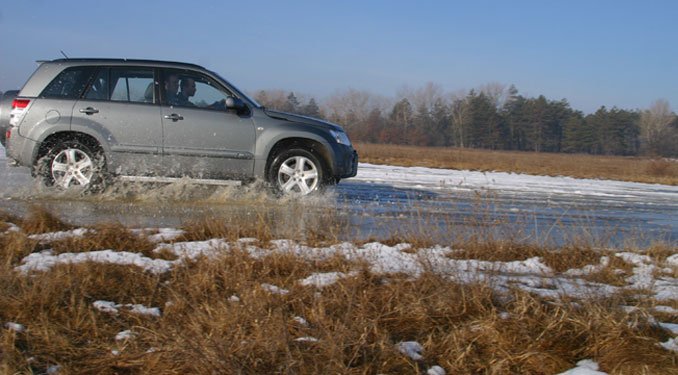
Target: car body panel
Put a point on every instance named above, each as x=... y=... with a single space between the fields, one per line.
x=207 y=143
x=132 y=133
x=43 y=118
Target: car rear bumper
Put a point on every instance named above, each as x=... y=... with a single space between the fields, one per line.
x=20 y=149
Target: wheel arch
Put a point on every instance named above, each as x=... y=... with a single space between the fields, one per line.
x=52 y=139
x=315 y=147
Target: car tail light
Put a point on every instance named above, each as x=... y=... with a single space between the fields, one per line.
x=18 y=110
x=20 y=103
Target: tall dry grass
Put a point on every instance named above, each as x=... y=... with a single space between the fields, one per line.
x=218 y=316
x=634 y=169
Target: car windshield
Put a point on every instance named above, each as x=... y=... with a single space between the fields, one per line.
x=242 y=94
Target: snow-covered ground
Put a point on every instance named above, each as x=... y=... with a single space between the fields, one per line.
x=531 y=275
x=448 y=181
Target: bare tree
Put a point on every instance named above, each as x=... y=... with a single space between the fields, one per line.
x=423 y=97
x=275 y=99
x=354 y=104
x=427 y=96
x=459 y=112
x=497 y=92
x=655 y=123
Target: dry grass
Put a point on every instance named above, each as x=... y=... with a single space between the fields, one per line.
x=575 y=165
x=105 y=237
x=355 y=322
x=263 y=223
x=39 y=220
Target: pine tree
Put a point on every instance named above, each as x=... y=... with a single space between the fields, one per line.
x=578 y=135
x=311 y=109
x=621 y=135
x=292 y=104
x=513 y=115
x=484 y=131
x=557 y=115
x=440 y=124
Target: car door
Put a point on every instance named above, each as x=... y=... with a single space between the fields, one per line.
x=202 y=139
x=120 y=106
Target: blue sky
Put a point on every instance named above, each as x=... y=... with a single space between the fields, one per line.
x=592 y=53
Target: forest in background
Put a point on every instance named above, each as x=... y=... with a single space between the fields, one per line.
x=494 y=116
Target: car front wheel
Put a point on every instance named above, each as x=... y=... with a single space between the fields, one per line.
x=297 y=172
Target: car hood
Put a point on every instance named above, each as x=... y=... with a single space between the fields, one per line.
x=302 y=119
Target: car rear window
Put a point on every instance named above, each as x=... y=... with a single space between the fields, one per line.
x=69 y=84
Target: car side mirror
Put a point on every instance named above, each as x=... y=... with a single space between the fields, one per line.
x=235 y=103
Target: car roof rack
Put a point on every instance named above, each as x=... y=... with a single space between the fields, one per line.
x=121 y=60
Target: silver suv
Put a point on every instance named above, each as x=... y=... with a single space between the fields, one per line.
x=77 y=122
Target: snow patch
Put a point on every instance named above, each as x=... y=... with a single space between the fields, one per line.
x=321 y=280
x=585 y=367
x=412 y=349
x=114 y=308
x=671 y=344
x=44 y=261
x=125 y=335
x=274 y=289
x=56 y=236
x=306 y=339
x=16 y=327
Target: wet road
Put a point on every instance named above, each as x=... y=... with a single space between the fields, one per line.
x=385 y=202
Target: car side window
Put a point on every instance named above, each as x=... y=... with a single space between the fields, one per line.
x=131 y=85
x=184 y=88
x=98 y=90
x=207 y=96
x=69 y=84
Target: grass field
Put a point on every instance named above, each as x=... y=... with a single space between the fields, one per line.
x=227 y=298
x=658 y=170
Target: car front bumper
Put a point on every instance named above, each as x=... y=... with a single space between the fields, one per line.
x=347 y=163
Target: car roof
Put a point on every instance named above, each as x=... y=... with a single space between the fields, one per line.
x=51 y=68
x=104 y=61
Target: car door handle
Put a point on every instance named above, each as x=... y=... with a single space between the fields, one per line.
x=89 y=110
x=174 y=117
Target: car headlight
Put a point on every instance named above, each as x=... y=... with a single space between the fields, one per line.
x=340 y=137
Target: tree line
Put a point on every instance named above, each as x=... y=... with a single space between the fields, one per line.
x=492 y=117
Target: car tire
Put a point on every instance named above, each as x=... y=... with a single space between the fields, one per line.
x=72 y=164
x=297 y=172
